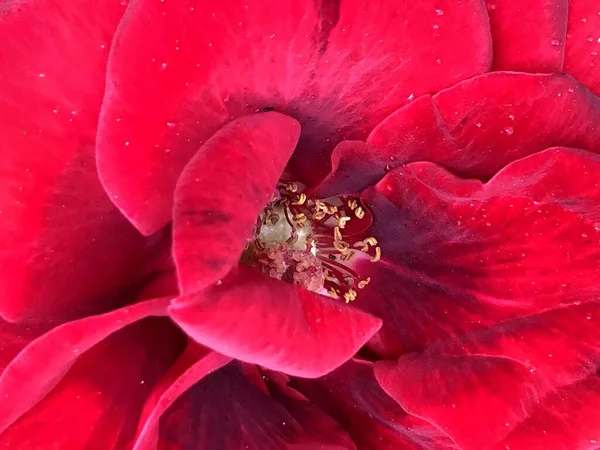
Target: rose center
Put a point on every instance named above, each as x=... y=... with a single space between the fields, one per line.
x=314 y=243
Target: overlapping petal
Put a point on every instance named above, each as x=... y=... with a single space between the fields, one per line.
x=227 y=411
x=338 y=67
x=64 y=248
x=222 y=191
x=274 y=324
x=38 y=368
x=352 y=395
x=459 y=255
x=98 y=402
x=476 y=128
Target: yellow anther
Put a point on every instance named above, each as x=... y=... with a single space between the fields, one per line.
x=341 y=246
x=363 y=283
x=319 y=215
x=320 y=206
x=332 y=209
x=361 y=245
x=337 y=234
x=341 y=221
x=350 y=296
x=352 y=204
x=333 y=293
x=377 y=256
x=347 y=256
x=370 y=241
x=300 y=218
x=292 y=187
x=359 y=212
x=301 y=199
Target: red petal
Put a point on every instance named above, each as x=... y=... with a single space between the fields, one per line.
x=528 y=35
x=501 y=381
x=98 y=402
x=566 y=419
x=275 y=324
x=226 y=404
x=37 y=369
x=459 y=255
x=14 y=337
x=64 y=246
x=583 y=43
x=222 y=191
x=193 y=365
x=352 y=395
x=477 y=127
x=180 y=70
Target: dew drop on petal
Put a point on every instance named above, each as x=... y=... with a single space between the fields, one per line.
x=509 y=130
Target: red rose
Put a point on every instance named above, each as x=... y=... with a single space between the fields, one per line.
x=300 y=225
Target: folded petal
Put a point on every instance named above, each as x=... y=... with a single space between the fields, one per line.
x=227 y=411
x=38 y=368
x=521 y=375
x=583 y=43
x=222 y=191
x=278 y=325
x=477 y=127
x=338 y=67
x=194 y=364
x=528 y=35
x=352 y=395
x=98 y=402
x=64 y=247
x=460 y=255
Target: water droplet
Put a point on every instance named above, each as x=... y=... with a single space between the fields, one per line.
x=590 y=39
x=272 y=36
x=126 y=143
x=511 y=116
x=170 y=125
x=436 y=27
x=163 y=66
x=439 y=61
x=555 y=42
x=439 y=12
x=509 y=130
x=387 y=168
x=42 y=75
x=584 y=19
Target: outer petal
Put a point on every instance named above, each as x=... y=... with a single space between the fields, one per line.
x=275 y=324
x=352 y=395
x=63 y=245
x=459 y=255
x=193 y=365
x=505 y=380
x=338 y=67
x=222 y=191
x=528 y=35
x=98 y=402
x=477 y=127
x=37 y=369
x=583 y=43
x=226 y=411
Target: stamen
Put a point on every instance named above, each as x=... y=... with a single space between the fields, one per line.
x=301 y=199
x=363 y=283
x=359 y=212
x=377 y=256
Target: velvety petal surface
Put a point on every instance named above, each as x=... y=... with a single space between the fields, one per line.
x=64 y=248
x=222 y=191
x=225 y=411
x=514 y=382
x=98 y=402
x=459 y=255
x=352 y=395
x=528 y=36
x=274 y=324
x=195 y=363
x=583 y=43
x=38 y=368
x=476 y=128
x=338 y=67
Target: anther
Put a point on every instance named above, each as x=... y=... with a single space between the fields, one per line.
x=292 y=187
x=370 y=241
x=361 y=245
x=359 y=212
x=352 y=204
x=341 y=221
x=337 y=234
x=301 y=199
x=363 y=283
x=377 y=256
x=332 y=292
x=350 y=296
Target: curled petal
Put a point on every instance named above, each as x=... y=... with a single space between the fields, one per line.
x=222 y=191
x=274 y=324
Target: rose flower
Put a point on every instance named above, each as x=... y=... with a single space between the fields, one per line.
x=307 y=224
